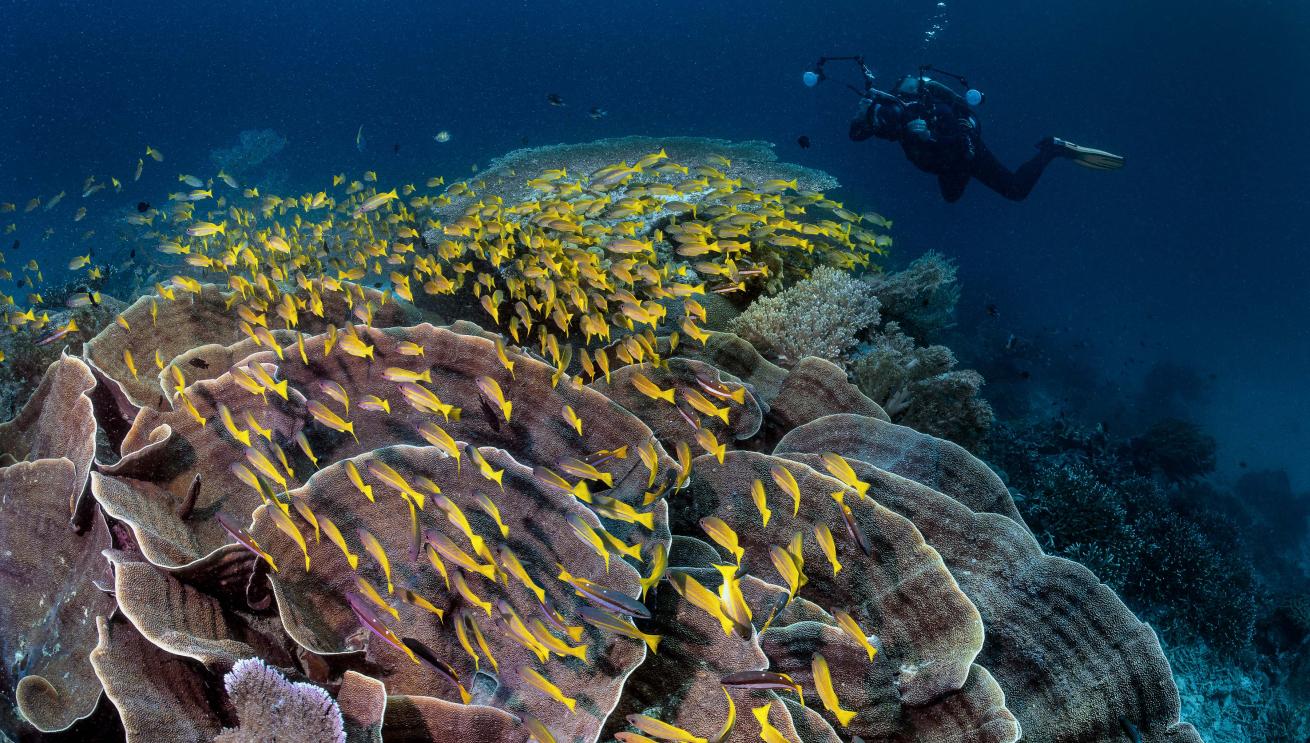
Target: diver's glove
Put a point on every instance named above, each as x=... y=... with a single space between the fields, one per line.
x=919 y=128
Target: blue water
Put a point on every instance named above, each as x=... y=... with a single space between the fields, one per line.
x=1194 y=253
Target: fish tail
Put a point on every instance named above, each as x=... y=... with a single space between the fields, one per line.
x=647 y=520
x=666 y=395
x=653 y=642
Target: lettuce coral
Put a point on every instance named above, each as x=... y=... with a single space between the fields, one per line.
x=453 y=535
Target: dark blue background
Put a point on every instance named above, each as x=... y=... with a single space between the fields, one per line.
x=1195 y=252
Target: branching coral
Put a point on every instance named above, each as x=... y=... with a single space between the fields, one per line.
x=271 y=708
x=921 y=388
x=921 y=298
x=1179 y=450
x=822 y=316
x=1089 y=503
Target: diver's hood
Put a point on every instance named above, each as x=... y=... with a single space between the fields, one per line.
x=909 y=85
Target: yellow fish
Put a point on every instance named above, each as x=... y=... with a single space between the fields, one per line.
x=485 y=468
x=397 y=374
x=650 y=389
x=288 y=527
x=659 y=563
x=489 y=507
x=588 y=535
x=823 y=683
x=374 y=548
x=330 y=419
x=702 y=598
x=352 y=345
x=704 y=406
x=662 y=730
x=353 y=472
x=649 y=458
x=534 y=679
x=265 y=466
x=515 y=568
x=469 y=595
x=723 y=535
x=572 y=417
x=786 y=566
x=824 y=535
x=375 y=404
x=710 y=443
x=768 y=733
x=303 y=442
x=334 y=535
x=437 y=436
x=841 y=469
x=852 y=628
x=787 y=482
x=761 y=502
x=491 y=388
x=684 y=462
x=238 y=433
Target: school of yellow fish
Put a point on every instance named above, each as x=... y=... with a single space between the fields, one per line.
x=575 y=273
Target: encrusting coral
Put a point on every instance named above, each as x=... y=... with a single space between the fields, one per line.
x=442 y=533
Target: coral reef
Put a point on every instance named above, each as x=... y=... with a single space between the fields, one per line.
x=1177 y=449
x=1082 y=494
x=252 y=149
x=833 y=316
x=271 y=708
x=486 y=532
x=920 y=387
x=1236 y=705
x=921 y=298
x=26 y=359
x=821 y=316
x=312 y=619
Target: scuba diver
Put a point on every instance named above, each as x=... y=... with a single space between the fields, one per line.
x=940 y=134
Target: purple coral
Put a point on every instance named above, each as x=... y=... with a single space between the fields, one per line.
x=271 y=708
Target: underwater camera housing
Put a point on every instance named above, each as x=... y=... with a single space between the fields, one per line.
x=816 y=74
x=972 y=95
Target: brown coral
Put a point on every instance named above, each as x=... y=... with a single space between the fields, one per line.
x=47 y=622
x=438 y=584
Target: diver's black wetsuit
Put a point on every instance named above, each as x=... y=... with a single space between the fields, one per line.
x=953 y=149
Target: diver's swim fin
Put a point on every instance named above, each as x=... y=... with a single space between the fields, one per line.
x=1086 y=156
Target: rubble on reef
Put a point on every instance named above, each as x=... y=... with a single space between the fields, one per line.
x=501 y=511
